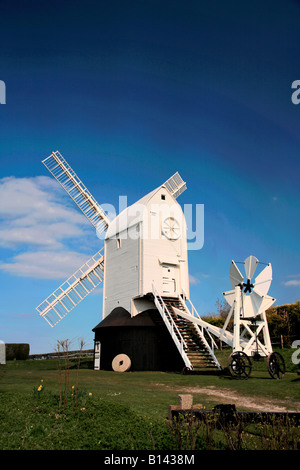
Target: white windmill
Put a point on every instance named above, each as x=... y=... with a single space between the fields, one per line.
x=144 y=269
x=144 y=265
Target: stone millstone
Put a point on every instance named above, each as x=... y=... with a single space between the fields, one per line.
x=121 y=363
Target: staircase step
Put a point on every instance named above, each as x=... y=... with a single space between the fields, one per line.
x=196 y=350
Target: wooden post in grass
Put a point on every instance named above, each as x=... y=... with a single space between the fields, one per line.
x=78 y=365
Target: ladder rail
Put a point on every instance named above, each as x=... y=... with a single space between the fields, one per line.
x=224 y=335
x=210 y=329
x=204 y=324
x=171 y=326
x=209 y=347
x=200 y=329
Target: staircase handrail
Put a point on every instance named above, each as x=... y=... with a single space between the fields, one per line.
x=195 y=314
x=200 y=328
x=172 y=327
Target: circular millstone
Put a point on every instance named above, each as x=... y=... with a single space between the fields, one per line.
x=121 y=363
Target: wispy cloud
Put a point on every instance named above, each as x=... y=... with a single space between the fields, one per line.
x=292 y=283
x=37 y=226
x=97 y=291
x=193 y=280
x=23 y=315
x=33 y=211
x=44 y=264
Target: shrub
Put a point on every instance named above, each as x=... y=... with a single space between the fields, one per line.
x=18 y=351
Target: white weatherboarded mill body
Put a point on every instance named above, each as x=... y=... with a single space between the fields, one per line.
x=145 y=246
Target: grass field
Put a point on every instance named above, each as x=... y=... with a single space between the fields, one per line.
x=124 y=410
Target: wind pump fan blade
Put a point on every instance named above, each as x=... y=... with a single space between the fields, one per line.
x=250 y=264
x=251 y=305
x=235 y=275
x=266 y=303
x=229 y=296
x=263 y=281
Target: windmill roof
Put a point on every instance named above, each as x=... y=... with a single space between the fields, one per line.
x=120 y=317
x=132 y=215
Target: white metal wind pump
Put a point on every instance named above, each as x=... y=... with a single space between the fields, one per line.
x=249 y=301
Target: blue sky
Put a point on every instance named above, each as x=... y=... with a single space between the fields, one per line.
x=129 y=93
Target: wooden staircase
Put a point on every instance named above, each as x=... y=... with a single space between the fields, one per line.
x=195 y=348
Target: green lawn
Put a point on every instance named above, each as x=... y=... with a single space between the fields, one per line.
x=119 y=410
x=152 y=392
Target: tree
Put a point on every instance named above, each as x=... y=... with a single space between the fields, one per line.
x=284 y=322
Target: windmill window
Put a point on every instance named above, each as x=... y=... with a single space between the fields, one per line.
x=163 y=196
x=119 y=244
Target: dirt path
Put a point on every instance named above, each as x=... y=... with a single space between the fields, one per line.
x=227 y=396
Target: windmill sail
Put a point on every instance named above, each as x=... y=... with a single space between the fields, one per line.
x=250 y=265
x=73 y=290
x=175 y=185
x=257 y=301
x=263 y=281
x=68 y=179
x=235 y=275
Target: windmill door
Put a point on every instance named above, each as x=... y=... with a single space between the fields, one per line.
x=97 y=356
x=170 y=280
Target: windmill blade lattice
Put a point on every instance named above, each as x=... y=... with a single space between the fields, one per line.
x=73 y=290
x=68 y=179
x=175 y=185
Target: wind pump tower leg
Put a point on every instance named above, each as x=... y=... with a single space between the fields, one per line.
x=237 y=319
x=266 y=334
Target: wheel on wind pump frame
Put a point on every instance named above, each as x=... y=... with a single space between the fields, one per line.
x=239 y=365
x=276 y=365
